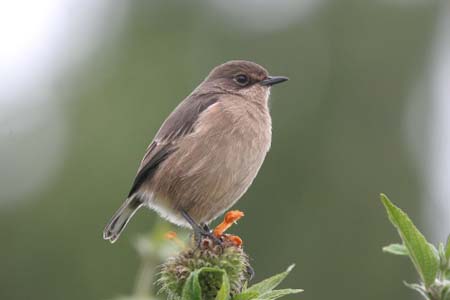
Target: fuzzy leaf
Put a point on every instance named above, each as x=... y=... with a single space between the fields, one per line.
x=224 y=291
x=192 y=289
x=246 y=295
x=396 y=249
x=443 y=261
x=275 y=294
x=420 y=252
x=417 y=287
x=269 y=284
x=447 y=248
x=445 y=293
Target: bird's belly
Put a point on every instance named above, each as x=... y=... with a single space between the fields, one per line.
x=207 y=176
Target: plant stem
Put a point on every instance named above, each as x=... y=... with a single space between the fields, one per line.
x=143 y=286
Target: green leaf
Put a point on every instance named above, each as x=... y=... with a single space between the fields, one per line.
x=417 y=287
x=192 y=289
x=397 y=249
x=445 y=293
x=269 y=284
x=420 y=251
x=206 y=280
x=224 y=291
x=443 y=261
x=447 y=248
x=275 y=294
x=264 y=289
x=246 y=295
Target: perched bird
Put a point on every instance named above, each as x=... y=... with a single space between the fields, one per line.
x=207 y=152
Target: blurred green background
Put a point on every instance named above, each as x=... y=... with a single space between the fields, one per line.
x=80 y=105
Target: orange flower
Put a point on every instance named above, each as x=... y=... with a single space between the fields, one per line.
x=237 y=241
x=172 y=236
x=230 y=218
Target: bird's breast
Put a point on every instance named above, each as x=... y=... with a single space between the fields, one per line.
x=215 y=165
x=237 y=139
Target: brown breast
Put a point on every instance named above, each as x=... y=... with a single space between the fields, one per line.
x=216 y=164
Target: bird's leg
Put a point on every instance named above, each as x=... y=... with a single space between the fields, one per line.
x=205 y=227
x=199 y=231
x=195 y=227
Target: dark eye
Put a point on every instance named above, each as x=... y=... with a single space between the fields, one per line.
x=241 y=79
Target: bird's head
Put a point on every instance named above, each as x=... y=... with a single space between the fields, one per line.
x=244 y=78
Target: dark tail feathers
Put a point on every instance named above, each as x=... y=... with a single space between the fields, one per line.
x=121 y=218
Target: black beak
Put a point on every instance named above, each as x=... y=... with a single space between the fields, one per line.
x=271 y=80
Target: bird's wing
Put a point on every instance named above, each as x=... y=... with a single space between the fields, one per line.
x=180 y=122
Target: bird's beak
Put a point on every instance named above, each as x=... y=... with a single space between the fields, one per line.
x=271 y=80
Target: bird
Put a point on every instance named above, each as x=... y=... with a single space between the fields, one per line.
x=207 y=152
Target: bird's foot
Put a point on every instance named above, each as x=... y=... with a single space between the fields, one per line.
x=199 y=237
x=218 y=236
x=230 y=218
x=200 y=231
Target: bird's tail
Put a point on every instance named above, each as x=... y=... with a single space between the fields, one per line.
x=121 y=218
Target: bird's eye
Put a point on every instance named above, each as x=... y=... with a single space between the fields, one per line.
x=241 y=79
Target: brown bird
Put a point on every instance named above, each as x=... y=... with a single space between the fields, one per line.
x=207 y=152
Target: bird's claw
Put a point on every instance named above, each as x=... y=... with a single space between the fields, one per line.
x=218 y=236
